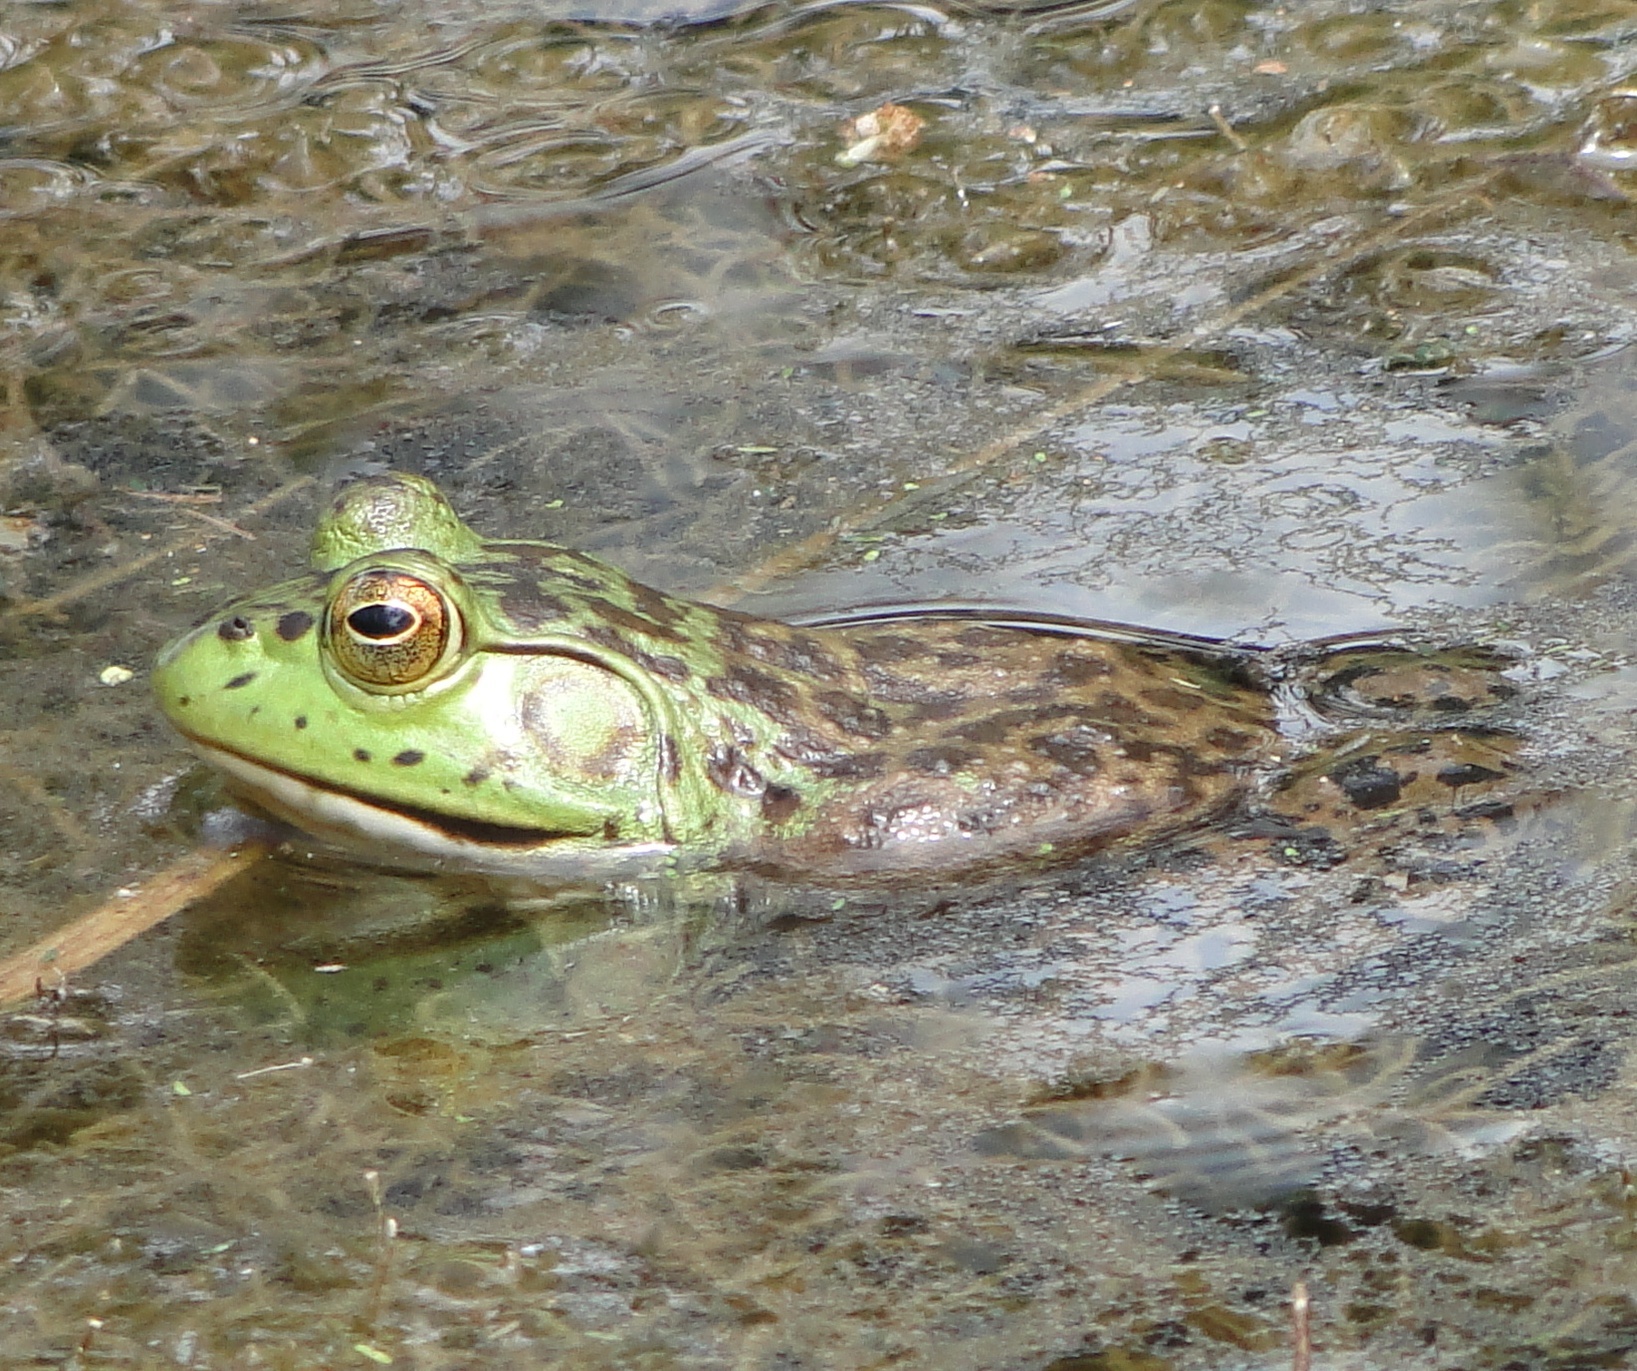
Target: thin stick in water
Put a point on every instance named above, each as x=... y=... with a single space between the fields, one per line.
x=113 y=923
x=1301 y=1333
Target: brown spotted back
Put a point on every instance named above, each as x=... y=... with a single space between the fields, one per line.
x=962 y=744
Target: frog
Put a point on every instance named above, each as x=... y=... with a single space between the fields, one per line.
x=425 y=697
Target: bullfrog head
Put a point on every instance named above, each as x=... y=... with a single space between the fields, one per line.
x=428 y=697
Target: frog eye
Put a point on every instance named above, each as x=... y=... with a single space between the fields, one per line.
x=389 y=628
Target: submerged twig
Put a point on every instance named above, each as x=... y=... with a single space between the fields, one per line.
x=184 y=504
x=116 y=921
x=1301 y=1333
x=1226 y=129
x=386 y=1250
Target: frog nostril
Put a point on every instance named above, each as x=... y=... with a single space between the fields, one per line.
x=236 y=629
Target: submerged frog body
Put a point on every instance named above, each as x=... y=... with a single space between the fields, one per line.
x=427 y=697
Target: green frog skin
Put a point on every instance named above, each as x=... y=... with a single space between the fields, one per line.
x=430 y=698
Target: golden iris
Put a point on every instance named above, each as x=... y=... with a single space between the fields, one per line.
x=389 y=628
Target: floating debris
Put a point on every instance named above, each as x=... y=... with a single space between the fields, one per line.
x=881 y=135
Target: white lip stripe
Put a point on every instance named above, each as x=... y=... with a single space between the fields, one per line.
x=389 y=837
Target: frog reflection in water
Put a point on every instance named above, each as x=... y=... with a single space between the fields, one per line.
x=428 y=697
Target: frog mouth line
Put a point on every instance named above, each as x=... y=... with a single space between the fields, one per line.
x=272 y=780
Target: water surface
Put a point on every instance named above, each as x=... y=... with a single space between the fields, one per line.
x=1263 y=322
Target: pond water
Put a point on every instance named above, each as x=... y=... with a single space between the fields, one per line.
x=1264 y=322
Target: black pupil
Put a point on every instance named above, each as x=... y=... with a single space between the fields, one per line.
x=380 y=621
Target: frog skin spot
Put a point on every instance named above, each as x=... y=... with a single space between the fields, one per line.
x=730 y=772
x=902 y=687
x=780 y=803
x=1121 y=712
x=294 y=625
x=1071 y=668
x=942 y=759
x=951 y=710
x=301 y=721
x=657 y=608
x=756 y=689
x=982 y=637
x=792 y=651
x=605 y=636
x=886 y=648
x=833 y=764
x=671 y=668
x=409 y=757
x=576 y=580
x=240 y=681
x=852 y=716
x=360 y=754
x=530 y=609
x=1037 y=694
x=606 y=611
x=1175 y=699
x=1137 y=750
x=1075 y=750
